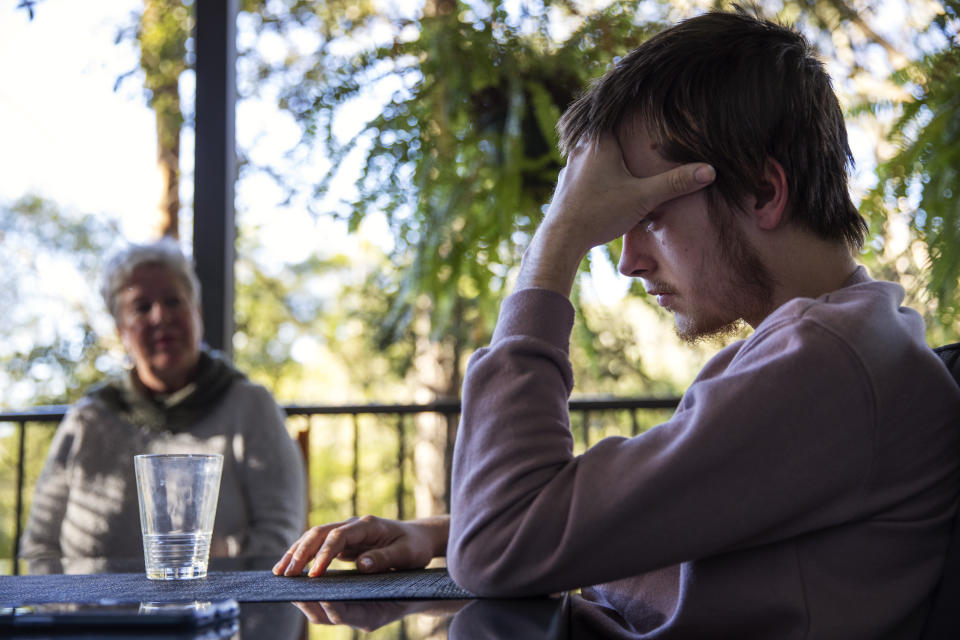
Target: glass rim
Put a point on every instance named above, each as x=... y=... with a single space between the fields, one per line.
x=178 y=455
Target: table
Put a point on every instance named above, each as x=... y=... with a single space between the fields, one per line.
x=403 y=604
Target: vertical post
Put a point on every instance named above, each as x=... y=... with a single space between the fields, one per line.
x=17 y=531
x=401 y=457
x=452 y=421
x=356 y=465
x=215 y=166
x=586 y=429
x=303 y=440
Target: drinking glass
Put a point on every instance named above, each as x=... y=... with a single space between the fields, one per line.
x=178 y=502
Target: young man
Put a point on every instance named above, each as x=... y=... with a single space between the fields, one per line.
x=806 y=483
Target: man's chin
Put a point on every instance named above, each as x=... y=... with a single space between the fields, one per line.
x=696 y=331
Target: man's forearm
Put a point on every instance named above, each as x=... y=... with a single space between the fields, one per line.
x=550 y=262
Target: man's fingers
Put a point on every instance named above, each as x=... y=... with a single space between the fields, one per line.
x=403 y=552
x=332 y=546
x=705 y=174
x=281 y=565
x=285 y=563
x=309 y=544
x=303 y=550
x=377 y=560
x=347 y=541
x=376 y=544
x=684 y=179
x=674 y=183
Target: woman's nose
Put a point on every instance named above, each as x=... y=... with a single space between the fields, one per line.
x=635 y=259
x=157 y=312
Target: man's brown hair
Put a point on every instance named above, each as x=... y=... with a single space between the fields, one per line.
x=732 y=90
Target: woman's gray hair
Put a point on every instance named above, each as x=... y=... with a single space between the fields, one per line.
x=165 y=252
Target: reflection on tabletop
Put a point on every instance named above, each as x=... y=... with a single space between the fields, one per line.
x=527 y=618
x=566 y=617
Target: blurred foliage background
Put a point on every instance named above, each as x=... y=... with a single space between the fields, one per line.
x=454 y=165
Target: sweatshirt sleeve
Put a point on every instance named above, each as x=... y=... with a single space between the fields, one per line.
x=529 y=517
x=273 y=477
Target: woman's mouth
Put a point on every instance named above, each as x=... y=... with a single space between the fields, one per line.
x=164 y=342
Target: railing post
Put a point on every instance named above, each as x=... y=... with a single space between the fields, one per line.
x=303 y=440
x=21 y=449
x=401 y=456
x=356 y=463
x=452 y=421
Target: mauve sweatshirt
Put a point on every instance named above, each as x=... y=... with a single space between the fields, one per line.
x=804 y=487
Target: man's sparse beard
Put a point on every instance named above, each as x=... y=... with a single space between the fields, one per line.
x=746 y=286
x=694 y=335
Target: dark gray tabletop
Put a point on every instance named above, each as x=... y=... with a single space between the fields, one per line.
x=243 y=586
x=282 y=608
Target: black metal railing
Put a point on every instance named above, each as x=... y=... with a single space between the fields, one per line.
x=619 y=416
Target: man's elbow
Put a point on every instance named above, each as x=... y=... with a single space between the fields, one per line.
x=486 y=571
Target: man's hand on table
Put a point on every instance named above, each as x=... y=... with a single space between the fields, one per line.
x=376 y=544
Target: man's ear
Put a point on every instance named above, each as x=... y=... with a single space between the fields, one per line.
x=771 y=196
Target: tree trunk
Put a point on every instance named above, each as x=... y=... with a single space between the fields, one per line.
x=165 y=26
x=436 y=366
x=433 y=8
x=168 y=165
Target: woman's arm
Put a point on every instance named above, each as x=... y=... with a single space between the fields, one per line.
x=41 y=538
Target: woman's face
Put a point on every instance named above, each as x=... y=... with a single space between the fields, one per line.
x=160 y=327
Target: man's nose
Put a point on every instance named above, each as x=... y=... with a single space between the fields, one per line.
x=635 y=259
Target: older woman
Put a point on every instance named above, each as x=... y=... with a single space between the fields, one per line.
x=177 y=398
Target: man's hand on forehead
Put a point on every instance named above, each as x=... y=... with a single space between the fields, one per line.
x=597 y=200
x=598 y=197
